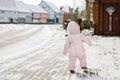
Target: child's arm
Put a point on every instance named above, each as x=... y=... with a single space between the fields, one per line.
x=66 y=46
x=86 y=40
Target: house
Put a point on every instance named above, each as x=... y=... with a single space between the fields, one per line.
x=24 y=13
x=106 y=15
x=39 y=15
x=8 y=11
x=53 y=11
x=12 y=11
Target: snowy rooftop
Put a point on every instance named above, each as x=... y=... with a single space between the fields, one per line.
x=36 y=9
x=8 y=5
x=53 y=6
x=13 y=5
x=22 y=7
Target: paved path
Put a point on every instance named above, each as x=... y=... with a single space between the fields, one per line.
x=48 y=63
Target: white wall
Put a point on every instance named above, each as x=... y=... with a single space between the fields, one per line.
x=36 y=21
x=6 y=15
x=36 y=15
x=26 y=16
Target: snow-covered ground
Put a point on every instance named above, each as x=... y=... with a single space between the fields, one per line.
x=16 y=40
x=34 y=52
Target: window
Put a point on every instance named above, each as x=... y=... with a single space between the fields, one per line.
x=47 y=8
x=2 y=11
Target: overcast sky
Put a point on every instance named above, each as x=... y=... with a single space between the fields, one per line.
x=58 y=3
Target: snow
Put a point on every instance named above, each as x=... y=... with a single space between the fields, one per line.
x=53 y=6
x=22 y=7
x=17 y=38
x=8 y=5
x=35 y=8
x=34 y=52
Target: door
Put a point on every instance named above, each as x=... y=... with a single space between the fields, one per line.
x=111 y=19
x=11 y=20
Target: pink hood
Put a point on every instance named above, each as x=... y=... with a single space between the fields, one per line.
x=73 y=28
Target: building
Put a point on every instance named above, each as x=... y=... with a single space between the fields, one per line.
x=12 y=11
x=39 y=15
x=24 y=13
x=106 y=15
x=53 y=11
x=8 y=11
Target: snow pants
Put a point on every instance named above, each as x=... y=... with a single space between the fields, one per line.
x=74 y=56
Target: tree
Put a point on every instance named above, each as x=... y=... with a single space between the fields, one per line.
x=73 y=14
x=88 y=9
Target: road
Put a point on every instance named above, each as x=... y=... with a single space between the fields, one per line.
x=35 y=52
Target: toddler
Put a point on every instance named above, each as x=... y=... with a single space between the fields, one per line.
x=75 y=46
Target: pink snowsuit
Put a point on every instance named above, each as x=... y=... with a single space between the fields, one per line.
x=74 y=45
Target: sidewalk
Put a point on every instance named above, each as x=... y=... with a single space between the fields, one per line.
x=48 y=62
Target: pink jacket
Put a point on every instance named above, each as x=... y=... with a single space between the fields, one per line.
x=75 y=41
